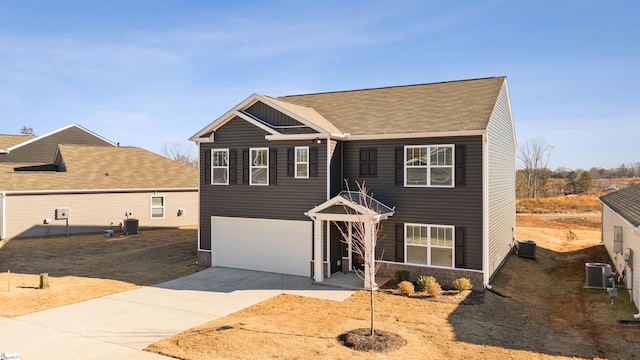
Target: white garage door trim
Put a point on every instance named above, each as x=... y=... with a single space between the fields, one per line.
x=278 y=246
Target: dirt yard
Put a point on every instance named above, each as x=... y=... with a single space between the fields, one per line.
x=83 y=267
x=546 y=312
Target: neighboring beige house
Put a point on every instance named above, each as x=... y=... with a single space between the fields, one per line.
x=621 y=235
x=96 y=186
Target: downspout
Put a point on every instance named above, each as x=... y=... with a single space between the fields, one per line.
x=3 y=224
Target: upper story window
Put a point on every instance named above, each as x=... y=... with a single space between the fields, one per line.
x=429 y=245
x=368 y=162
x=259 y=166
x=157 y=207
x=428 y=165
x=302 y=162
x=220 y=167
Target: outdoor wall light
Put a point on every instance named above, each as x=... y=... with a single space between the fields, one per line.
x=317 y=141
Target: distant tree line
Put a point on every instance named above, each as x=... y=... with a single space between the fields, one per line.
x=534 y=179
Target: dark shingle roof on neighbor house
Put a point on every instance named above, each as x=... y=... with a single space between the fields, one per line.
x=87 y=166
x=436 y=107
x=626 y=203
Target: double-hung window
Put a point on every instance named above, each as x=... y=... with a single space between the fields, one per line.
x=157 y=207
x=429 y=245
x=302 y=162
x=428 y=165
x=259 y=166
x=220 y=166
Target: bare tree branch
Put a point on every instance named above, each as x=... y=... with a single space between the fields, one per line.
x=179 y=153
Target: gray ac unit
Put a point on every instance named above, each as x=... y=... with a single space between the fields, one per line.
x=527 y=249
x=598 y=276
x=130 y=226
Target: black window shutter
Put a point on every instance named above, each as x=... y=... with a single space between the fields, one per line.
x=460 y=246
x=233 y=166
x=364 y=162
x=400 y=242
x=273 y=166
x=461 y=162
x=207 y=166
x=313 y=161
x=245 y=166
x=400 y=165
x=290 y=161
x=373 y=162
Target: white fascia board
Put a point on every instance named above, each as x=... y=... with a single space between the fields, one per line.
x=416 y=135
x=4 y=151
x=213 y=126
x=292 y=115
x=37 y=138
x=312 y=136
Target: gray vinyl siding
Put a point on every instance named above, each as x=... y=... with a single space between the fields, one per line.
x=501 y=182
x=460 y=206
x=44 y=150
x=277 y=119
x=336 y=168
x=288 y=199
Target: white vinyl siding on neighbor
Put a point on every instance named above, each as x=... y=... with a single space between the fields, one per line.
x=500 y=177
x=220 y=166
x=428 y=165
x=302 y=162
x=157 y=207
x=430 y=245
x=259 y=166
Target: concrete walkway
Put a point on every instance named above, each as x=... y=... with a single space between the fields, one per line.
x=119 y=326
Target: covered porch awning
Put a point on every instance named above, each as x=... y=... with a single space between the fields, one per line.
x=347 y=206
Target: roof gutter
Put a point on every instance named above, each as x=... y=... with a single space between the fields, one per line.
x=93 y=191
x=416 y=135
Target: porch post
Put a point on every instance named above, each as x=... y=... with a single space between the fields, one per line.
x=318 y=273
x=350 y=244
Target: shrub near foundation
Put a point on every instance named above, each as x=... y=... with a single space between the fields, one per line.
x=462 y=284
x=424 y=281
x=434 y=289
x=401 y=275
x=406 y=288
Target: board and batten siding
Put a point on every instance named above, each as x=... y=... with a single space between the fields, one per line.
x=94 y=212
x=288 y=199
x=501 y=183
x=460 y=206
x=631 y=240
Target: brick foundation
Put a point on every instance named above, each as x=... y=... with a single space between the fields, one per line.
x=204 y=258
x=445 y=277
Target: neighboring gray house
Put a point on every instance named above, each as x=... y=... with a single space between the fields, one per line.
x=621 y=234
x=439 y=159
x=95 y=179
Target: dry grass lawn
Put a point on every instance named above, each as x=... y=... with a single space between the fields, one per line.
x=83 y=267
x=547 y=314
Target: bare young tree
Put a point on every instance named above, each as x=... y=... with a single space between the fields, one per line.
x=362 y=237
x=179 y=153
x=534 y=155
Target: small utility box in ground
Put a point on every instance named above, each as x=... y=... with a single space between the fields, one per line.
x=527 y=249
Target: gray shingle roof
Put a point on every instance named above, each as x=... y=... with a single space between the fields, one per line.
x=87 y=166
x=447 y=106
x=626 y=203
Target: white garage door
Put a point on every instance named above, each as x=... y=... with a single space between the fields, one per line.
x=279 y=246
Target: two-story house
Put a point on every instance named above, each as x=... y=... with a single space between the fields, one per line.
x=438 y=158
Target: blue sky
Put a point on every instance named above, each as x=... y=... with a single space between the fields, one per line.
x=147 y=73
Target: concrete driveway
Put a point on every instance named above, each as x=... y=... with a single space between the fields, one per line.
x=119 y=326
